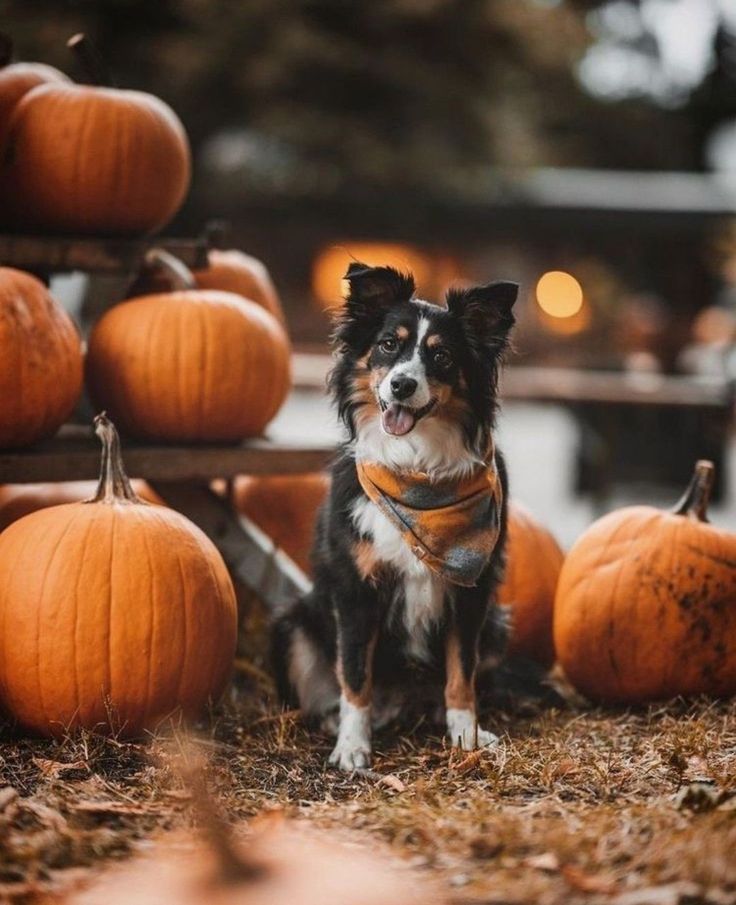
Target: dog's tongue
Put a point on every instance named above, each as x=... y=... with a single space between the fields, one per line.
x=398 y=419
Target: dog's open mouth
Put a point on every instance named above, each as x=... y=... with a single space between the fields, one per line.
x=398 y=420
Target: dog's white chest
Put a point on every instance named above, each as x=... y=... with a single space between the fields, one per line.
x=424 y=592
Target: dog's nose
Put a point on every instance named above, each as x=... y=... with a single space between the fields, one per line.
x=402 y=387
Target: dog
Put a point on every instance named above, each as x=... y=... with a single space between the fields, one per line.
x=409 y=546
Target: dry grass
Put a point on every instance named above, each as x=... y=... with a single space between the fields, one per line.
x=624 y=807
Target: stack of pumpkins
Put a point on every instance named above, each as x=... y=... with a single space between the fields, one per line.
x=120 y=612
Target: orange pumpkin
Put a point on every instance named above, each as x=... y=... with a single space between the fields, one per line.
x=285 y=507
x=17 y=500
x=86 y=159
x=646 y=603
x=230 y=271
x=190 y=365
x=40 y=361
x=533 y=563
x=17 y=79
x=114 y=614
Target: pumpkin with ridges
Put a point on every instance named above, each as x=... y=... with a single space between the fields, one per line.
x=40 y=361
x=646 y=603
x=114 y=614
x=189 y=365
x=533 y=563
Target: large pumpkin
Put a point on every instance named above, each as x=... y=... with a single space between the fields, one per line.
x=17 y=79
x=190 y=365
x=17 y=500
x=86 y=159
x=533 y=563
x=40 y=361
x=646 y=603
x=285 y=507
x=113 y=613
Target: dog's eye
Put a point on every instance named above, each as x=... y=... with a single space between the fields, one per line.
x=442 y=358
x=388 y=345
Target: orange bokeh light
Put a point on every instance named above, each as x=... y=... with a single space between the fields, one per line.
x=559 y=294
x=332 y=262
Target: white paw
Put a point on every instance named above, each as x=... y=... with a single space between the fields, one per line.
x=349 y=757
x=464 y=732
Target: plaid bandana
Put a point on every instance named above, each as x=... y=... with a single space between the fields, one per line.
x=451 y=526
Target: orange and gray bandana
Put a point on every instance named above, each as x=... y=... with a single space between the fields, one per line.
x=451 y=526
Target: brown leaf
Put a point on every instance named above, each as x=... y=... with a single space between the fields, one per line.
x=53 y=769
x=7 y=796
x=393 y=782
x=470 y=762
x=696 y=770
x=585 y=882
x=547 y=861
x=107 y=807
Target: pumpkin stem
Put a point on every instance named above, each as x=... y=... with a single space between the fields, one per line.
x=91 y=61
x=175 y=272
x=114 y=485
x=6 y=49
x=694 y=502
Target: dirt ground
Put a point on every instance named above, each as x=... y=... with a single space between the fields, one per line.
x=572 y=806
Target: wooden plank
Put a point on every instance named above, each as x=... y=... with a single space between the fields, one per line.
x=75 y=455
x=570 y=386
x=250 y=555
x=52 y=254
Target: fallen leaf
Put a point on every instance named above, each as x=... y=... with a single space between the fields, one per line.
x=470 y=762
x=548 y=861
x=393 y=782
x=585 y=882
x=696 y=770
x=7 y=796
x=53 y=769
x=107 y=807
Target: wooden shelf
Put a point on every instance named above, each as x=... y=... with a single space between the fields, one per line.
x=74 y=455
x=60 y=254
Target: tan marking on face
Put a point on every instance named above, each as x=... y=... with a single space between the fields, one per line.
x=377 y=376
x=402 y=333
x=434 y=340
x=459 y=691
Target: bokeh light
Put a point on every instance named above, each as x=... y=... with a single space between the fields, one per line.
x=559 y=294
x=332 y=262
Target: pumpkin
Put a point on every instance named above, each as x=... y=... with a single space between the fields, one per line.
x=40 y=361
x=17 y=79
x=231 y=271
x=646 y=603
x=285 y=507
x=17 y=500
x=281 y=863
x=533 y=563
x=114 y=614
x=190 y=365
x=92 y=160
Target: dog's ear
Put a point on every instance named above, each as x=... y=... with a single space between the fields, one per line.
x=377 y=285
x=372 y=292
x=485 y=312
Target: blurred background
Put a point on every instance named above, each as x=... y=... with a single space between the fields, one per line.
x=586 y=149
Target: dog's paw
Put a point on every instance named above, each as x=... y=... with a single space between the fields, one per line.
x=464 y=732
x=348 y=756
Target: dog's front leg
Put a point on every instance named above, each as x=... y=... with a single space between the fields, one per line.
x=461 y=663
x=357 y=632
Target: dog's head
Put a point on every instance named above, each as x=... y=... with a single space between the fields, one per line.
x=404 y=360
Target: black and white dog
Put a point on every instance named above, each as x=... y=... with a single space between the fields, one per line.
x=410 y=543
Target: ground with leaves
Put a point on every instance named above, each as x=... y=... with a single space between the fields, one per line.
x=572 y=806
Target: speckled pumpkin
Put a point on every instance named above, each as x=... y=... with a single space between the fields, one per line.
x=646 y=603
